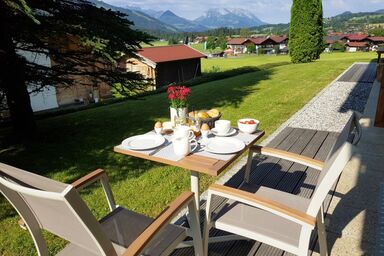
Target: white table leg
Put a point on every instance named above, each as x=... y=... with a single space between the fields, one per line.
x=195 y=189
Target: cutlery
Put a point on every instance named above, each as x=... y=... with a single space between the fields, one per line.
x=160 y=148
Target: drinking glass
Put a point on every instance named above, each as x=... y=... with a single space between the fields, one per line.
x=180 y=121
x=195 y=124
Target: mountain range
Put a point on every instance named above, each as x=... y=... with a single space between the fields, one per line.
x=169 y=22
x=141 y=20
x=229 y=17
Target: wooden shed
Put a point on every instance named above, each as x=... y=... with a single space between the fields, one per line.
x=166 y=64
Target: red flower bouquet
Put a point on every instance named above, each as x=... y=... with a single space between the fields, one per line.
x=178 y=95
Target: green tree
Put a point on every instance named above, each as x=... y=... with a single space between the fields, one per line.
x=245 y=32
x=338 y=47
x=172 y=41
x=211 y=42
x=251 y=48
x=221 y=42
x=378 y=31
x=306 y=31
x=45 y=26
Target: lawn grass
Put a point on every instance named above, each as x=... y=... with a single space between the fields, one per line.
x=69 y=146
x=155 y=43
x=258 y=60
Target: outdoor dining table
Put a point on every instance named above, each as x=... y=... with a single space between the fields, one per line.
x=196 y=162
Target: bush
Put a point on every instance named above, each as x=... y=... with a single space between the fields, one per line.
x=251 y=48
x=260 y=51
x=338 y=47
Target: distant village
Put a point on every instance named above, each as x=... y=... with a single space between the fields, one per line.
x=357 y=42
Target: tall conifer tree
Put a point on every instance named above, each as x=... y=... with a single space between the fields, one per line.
x=306 y=31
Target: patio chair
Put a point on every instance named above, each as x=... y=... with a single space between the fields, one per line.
x=58 y=208
x=277 y=218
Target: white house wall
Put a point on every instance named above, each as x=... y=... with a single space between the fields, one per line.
x=45 y=98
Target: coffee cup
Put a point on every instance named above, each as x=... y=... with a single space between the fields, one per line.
x=183 y=131
x=182 y=145
x=222 y=126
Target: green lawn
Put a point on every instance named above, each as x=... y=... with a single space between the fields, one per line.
x=258 y=60
x=155 y=43
x=69 y=146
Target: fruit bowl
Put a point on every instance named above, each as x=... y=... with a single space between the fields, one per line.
x=248 y=125
x=205 y=117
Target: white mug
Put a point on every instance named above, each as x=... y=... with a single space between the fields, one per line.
x=222 y=126
x=183 y=131
x=182 y=145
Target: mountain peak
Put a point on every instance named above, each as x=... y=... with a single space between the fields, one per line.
x=182 y=24
x=229 y=17
x=168 y=13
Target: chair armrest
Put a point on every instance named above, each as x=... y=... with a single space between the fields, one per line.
x=88 y=179
x=316 y=164
x=263 y=203
x=92 y=177
x=161 y=221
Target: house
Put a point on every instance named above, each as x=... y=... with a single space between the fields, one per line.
x=166 y=64
x=357 y=46
x=87 y=89
x=328 y=45
x=282 y=41
x=355 y=42
x=200 y=39
x=265 y=45
x=41 y=98
x=239 y=45
x=375 y=42
x=354 y=38
x=262 y=44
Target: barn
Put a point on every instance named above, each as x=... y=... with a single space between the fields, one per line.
x=166 y=64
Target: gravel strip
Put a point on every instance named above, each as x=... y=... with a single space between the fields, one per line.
x=331 y=109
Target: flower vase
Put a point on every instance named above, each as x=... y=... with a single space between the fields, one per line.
x=178 y=113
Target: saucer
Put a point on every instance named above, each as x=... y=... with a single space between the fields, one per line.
x=231 y=132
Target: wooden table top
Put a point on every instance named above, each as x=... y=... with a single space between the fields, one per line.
x=193 y=162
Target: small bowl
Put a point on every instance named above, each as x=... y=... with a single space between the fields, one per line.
x=247 y=128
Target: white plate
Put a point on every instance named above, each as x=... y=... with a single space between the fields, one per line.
x=231 y=132
x=224 y=145
x=143 y=142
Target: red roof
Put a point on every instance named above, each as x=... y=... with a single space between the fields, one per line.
x=376 y=38
x=259 y=40
x=357 y=44
x=278 y=39
x=356 y=37
x=329 y=41
x=170 y=53
x=237 y=41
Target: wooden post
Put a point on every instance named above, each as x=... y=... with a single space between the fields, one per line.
x=379 y=71
x=379 y=120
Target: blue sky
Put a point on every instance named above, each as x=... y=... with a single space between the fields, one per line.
x=271 y=11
